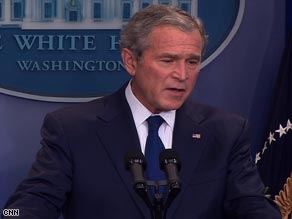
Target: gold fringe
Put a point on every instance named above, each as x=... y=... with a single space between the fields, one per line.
x=284 y=199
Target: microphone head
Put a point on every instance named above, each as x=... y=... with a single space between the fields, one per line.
x=135 y=156
x=168 y=156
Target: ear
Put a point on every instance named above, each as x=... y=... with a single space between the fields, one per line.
x=130 y=61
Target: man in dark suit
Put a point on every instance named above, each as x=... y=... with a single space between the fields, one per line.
x=80 y=168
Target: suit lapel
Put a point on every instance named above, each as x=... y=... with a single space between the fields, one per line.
x=189 y=140
x=117 y=132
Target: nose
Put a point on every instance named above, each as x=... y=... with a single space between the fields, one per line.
x=180 y=71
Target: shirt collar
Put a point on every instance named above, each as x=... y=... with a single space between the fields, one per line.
x=141 y=113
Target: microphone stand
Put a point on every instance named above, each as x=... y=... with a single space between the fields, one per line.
x=136 y=163
x=158 y=202
x=157 y=207
x=174 y=189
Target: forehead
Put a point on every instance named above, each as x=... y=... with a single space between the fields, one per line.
x=169 y=36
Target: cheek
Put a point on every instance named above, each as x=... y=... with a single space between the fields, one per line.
x=193 y=79
x=148 y=81
x=154 y=78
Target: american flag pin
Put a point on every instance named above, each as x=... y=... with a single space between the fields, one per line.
x=196 y=135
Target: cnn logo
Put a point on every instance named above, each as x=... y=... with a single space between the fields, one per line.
x=11 y=212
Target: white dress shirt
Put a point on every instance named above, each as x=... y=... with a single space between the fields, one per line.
x=141 y=113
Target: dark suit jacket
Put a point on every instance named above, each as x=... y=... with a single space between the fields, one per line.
x=80 y=168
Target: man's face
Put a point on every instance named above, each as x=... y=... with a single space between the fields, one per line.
x=165 y=74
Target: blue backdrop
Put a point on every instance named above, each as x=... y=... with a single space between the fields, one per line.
x=241 y=80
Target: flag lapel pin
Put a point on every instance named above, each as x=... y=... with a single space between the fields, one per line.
x=196 y=136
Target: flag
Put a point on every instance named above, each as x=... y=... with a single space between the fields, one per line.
x=274 y=158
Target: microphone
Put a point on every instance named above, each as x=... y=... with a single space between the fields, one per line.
x=169 y=162
x=136 y=163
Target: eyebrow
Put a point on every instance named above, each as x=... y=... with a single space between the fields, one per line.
x=174 y=56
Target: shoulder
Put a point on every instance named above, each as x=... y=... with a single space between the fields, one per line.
x=95 y=108
x=77 y=110
x=208 y=112
x=214 y=117
x=222 y=127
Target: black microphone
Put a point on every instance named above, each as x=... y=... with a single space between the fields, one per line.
x=170 y=163
x=136 y=163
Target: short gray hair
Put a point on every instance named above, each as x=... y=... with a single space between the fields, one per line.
x=134 y=35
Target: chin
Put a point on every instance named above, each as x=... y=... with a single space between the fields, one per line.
x=172 y=107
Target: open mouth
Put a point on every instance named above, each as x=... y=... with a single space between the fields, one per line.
x=177 y=91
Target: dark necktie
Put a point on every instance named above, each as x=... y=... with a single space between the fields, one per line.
x=153 y=148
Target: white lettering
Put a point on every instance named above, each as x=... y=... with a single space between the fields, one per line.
x=24 y=65
x=89 y=43
x=23 y=41
x=90 y=65
x=10 y=212
x=55 y=42
x=114 y=43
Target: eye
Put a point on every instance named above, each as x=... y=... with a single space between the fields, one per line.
x=166 y=60
x=193 y=62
